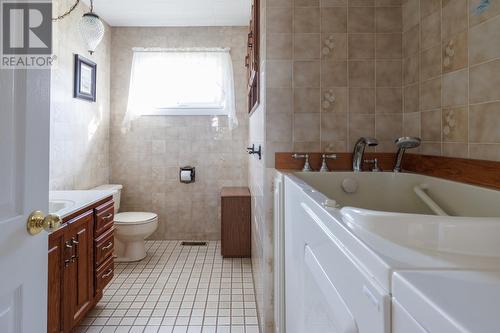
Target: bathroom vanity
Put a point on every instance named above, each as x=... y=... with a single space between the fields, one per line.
x=80 y=256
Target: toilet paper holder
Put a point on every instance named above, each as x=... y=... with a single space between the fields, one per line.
x=187 y=174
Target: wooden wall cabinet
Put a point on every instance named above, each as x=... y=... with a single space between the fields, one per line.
x=252 y=58
x=79 y=255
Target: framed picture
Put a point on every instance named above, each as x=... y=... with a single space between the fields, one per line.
x=85 y=79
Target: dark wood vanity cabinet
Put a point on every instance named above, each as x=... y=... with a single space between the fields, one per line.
x=80 y=265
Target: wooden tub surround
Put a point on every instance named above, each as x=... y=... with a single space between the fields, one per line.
x=474 y=172
x=81 y=264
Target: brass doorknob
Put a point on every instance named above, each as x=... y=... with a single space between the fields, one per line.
x=37 y=222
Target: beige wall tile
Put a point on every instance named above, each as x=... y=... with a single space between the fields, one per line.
x=430 y=33
x=485 y=151
x=312 y=147
x=389 y=46
x=484 y=123
x=411 y=41
x=430 y=94
x=428 y=7
x=411 y=69
x=458 y=150
x=306 y=127
x=279 y=46
x=389 y=73
x=333 y=3
x=389 y=127
x=279 y=3
x=334 y=127
x=306 y=3
x=361 y=100
x=306 y=19
x=388 y=19
x=455 y=125
x=389 y=100
x=492 y=11
x=455 y=88
x=334 y=46
x=306 y=100
x=454 y=17
x=431 y=148
x=334 y=100
x=362 y=73
x=412 y=98
x=306 y=74
x=360 y=125
x=279 y=127
x=279 y=20
x=484 y=41
x=279 y=100
x=430 y=125
x=306 y=46
x=484 y=82
x=334 y=74
x=279 y=74
x=430 y=63
x=455 y=53
x=334 y=19
x=361 y=19
x=411 y=124
x=411 y=14
x=361 y=46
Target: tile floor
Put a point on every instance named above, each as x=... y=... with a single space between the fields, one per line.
x=178 y=289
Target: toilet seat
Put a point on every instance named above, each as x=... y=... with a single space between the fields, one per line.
x=134 y=218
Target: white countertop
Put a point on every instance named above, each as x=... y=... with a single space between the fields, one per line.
x=64 y=203
x=450 y=301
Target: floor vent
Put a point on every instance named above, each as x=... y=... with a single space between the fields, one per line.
x=194 y=243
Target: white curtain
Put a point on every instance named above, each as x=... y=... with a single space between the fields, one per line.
x=177 y=78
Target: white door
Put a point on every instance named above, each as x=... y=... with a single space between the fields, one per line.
x=24 y=182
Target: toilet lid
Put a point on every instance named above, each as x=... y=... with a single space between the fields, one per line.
x=134 y=217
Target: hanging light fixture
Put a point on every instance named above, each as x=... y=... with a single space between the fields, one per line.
x=91 y=29
x=91 y=26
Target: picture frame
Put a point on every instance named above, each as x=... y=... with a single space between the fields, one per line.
x=85 y=79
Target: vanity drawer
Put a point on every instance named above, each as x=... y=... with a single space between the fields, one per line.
x=104 y=218
x=104 y=274
x=104 y=246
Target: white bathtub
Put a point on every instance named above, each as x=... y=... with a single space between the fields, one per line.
x=341 y=249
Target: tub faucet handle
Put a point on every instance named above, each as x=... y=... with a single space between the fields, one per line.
x=307 y=166
x=324 y=166
x=374 y=162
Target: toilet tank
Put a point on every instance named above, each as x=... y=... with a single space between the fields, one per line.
x=116 y=196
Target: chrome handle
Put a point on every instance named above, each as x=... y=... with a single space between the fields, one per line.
x=107 y=247
x=74 y=241
x=38 y=221
x=375 y=168
x=324 y=166
x=307 y=166
x=108 y=273
x=107 y=217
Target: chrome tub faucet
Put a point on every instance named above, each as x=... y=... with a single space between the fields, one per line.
x=359 y=150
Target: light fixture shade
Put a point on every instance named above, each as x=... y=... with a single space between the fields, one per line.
x=92 y=30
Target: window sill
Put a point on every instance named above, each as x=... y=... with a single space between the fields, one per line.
x=187 y=112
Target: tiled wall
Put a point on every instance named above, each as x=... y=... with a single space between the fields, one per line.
x=262 y=235
x=79 y=130
x=146 y=159
x=452 y=77
x=335 y=71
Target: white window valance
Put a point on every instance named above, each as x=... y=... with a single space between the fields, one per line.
x=191 y=81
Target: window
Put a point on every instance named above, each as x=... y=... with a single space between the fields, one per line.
x=181 y=82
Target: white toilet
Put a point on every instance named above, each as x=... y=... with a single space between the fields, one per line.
x=131 y=229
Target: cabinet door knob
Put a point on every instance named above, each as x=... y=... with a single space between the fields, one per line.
x=38 y=221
